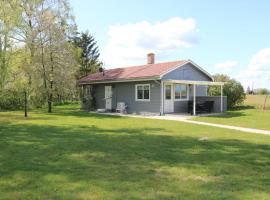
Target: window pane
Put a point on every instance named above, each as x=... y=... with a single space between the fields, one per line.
x=146 y=87
x=139 y=94
x=177 y=94
x=183 y=92
x=146 y=94
x=140 y=87
x=168 y=92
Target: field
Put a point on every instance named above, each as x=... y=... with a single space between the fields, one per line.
x=75 y=155
x=257 y=101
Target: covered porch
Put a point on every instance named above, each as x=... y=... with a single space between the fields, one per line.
x=187 y=96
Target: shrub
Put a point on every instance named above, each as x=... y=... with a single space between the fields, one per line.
x=232 y=89
x=11 y=100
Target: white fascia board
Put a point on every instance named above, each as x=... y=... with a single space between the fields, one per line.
x=194 y=82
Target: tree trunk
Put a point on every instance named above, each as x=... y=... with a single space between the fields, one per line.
x=50 y=103
x=50 y=99
x=25 y=104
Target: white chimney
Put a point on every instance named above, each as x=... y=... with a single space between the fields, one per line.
x=150 y=58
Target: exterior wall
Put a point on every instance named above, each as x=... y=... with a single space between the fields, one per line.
x=125 y=92
x=217 y=102
x=100 y=95
x=187 y=72
x=180 y=106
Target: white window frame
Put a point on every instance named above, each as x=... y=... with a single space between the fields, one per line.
x=136 y=92
x=181 y=99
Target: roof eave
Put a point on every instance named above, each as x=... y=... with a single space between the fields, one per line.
x=120 y=80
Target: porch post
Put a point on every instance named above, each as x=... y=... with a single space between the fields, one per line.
x=221 y=100
x=162 y=98
x=194 y=99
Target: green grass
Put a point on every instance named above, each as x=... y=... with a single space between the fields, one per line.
x=251 y=115
x=75 y=155
x=244 y=117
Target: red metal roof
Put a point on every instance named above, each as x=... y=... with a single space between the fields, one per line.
x=134 y=72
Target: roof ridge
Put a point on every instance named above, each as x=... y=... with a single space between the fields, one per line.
x=146 y=65
x=136 y=71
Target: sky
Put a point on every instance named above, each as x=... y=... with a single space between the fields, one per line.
x=222 y=36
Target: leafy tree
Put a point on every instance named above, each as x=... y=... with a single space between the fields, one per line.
x=89 y=53
x=43 y=63
x=232 y=89
x=8 y=19
x=261 y=91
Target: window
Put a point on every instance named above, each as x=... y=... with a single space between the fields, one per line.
x=180 y=92
x=142 y=92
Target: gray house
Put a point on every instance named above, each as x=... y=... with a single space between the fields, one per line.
x=154 y=88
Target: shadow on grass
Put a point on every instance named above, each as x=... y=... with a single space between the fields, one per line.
x=238 y=111
x=124 y=161
x=243 y=107
x=81 y=114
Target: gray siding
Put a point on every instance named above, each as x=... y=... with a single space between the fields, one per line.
x=191 y=73
x=187 y=72
x=125 y=92
x=180 y=106
x=217 y=102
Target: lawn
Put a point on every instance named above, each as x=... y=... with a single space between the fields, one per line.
x=75 y=155
x=251 y=115
x=244 y=117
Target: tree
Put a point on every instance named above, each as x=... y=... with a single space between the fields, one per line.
x=262 y=91
x=8 y=19
x=248 y=90
x=89 y=53
x=57 y=64
x=232 y=89
x=43 y=29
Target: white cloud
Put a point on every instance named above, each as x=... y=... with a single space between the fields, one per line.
x=227 y=65
x=128 y=44
x=258 y=70
x=260 y=62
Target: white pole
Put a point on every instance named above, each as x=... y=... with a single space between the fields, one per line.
x=221 y=100
x=194 y=99
x=162 y=98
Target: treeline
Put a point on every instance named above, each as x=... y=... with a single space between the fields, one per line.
x=41 y=53
x=258 y=91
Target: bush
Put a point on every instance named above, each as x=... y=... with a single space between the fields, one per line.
x=232 y=89
x=11 y=100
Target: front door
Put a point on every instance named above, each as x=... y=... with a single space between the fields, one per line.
x=168 y=98
x=108 y=97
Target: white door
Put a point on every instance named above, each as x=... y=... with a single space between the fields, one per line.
x=168 y=98
x=108 y=97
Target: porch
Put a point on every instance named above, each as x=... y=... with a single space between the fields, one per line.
x=186 y=96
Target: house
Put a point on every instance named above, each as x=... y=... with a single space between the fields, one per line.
x=155 y=88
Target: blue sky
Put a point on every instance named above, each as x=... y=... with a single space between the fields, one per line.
x=230 y=37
